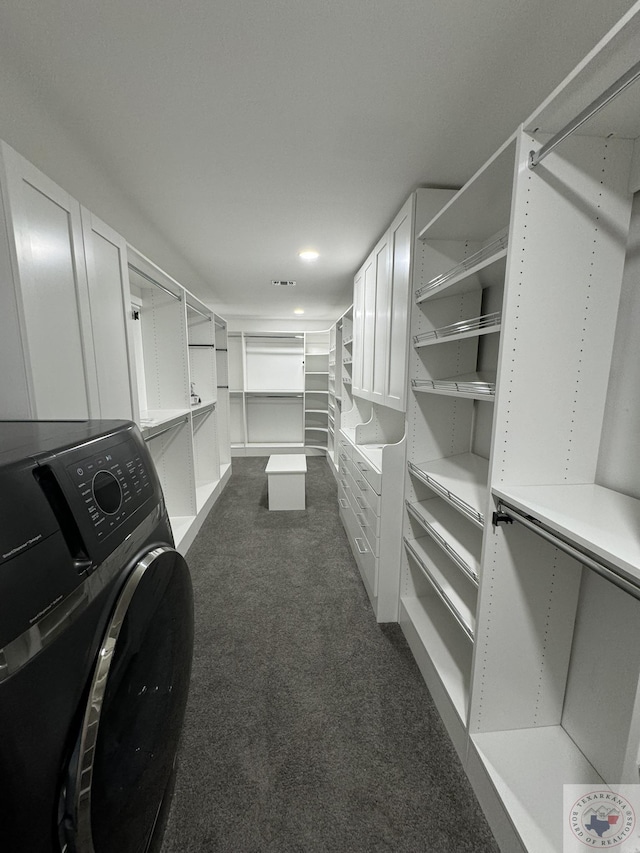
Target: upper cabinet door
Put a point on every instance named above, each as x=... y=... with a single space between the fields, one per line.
x=378 y=338
x=358 y=332
x=400 y=238
x=110 y=305
x=368 y=324
x=51 y=304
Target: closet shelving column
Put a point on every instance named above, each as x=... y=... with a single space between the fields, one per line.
x=162 y=374
x=335 y=341
x=346 y=385
x=550 y=625
x=203 y=398
x=459 y=269
x=222 y=377
x=316 y=389
x=236 y=374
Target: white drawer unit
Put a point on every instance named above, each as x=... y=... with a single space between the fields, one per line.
x=370 y=483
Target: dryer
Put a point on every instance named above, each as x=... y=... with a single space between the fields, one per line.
x=96 y=639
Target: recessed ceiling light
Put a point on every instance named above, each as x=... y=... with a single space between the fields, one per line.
x=298 y=310
x=310 y=255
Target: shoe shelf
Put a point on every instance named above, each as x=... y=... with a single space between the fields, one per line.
x=476 y=386
x=461 y=480
x=457 y=538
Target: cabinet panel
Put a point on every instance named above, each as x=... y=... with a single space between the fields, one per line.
x=379 y=329
x=109 y=301
x=51 y=288
x=400 y=237
x=357 y=332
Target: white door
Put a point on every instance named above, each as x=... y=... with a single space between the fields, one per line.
x=110 y=303
x=45 y=229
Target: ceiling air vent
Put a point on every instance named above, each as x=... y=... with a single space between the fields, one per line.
x=283 y=282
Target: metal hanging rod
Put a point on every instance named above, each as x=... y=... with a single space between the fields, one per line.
x=612 y=92
x=166 y=429
x=201 y=313
x=155 y=283
x=506 y=513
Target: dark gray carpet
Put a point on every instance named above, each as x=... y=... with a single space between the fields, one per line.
x=309 y=727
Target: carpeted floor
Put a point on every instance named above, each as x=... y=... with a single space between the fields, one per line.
x=309 y=727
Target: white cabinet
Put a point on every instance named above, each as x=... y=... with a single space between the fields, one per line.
x=65 y=337
x=381 y=305
x=371 y=451
x=110 y=305
x=523 y=402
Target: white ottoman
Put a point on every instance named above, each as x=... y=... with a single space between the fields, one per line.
x=286 y=472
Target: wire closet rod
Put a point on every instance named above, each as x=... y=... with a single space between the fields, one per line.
x=201 y=313
x=155 y=283
x=612 y=92
x=166 y=429
x=582 y=556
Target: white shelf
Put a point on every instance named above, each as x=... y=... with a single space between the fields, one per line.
x=473 y=328
x=472 y=386
x=461 y=480
x=600 y=520
x=447 y=649
x=461 y=542
x=155 y=422
x=459 y=596
x=180 y=527
x=528 y=768
x=482 y=207
x=461 y=278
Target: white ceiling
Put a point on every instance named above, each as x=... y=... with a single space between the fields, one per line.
x=248 y=130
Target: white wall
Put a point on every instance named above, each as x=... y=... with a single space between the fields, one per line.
x=29 y=127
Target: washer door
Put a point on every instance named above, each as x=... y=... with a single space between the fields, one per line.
x=126 y=750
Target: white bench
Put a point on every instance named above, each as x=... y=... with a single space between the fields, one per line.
x=286 y=472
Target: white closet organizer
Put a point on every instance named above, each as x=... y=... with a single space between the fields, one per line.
x=174 y=343
x=340 y=396
x=517 y=627
x=316 y=389
x=455 y=325
x=64 y=277
x=267 y=392
x=577 y=484
x=370 y=461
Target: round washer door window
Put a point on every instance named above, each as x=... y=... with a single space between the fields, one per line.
x=135 y=710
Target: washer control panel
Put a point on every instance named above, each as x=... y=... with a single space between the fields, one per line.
x=112 y=485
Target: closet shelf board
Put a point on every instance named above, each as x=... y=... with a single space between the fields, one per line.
x=447 y=526
x=597 y=519
x=534 y=799
x=429 y=559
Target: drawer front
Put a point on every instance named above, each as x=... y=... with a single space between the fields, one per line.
x=366 y=470
x=343 y=500
x=362 y=487
x=364 y=556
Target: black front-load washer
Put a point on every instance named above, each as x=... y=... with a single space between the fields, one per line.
x=96 y=639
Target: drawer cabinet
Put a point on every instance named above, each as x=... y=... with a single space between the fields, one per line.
x=369 y=492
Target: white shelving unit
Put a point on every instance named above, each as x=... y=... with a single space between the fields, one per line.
x=317 y=391
x=455 y=327
x=529 y=284
x=176 y=365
